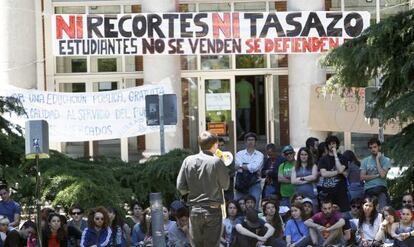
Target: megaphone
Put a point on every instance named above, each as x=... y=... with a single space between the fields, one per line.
x=226 y=157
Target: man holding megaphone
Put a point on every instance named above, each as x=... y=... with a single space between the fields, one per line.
x=203 y=177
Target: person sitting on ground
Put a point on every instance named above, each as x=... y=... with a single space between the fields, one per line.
x=353 y=216
x=253 y=231
x=403 y=231
x=12 y=235
x=369 y=222
x=179 y=233
x=250 y=201
x=325 y=227
x=307 y=211
x=389 y=218
x=271 y=216
x=28 y=234
x=98 y=232
x=407 y=200
x=232 y=212
x=296 y=232
x=242 y=204
x=54 y=234
x=167 y=222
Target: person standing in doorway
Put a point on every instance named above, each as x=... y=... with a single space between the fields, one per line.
x=244 y=97
x=203 y=177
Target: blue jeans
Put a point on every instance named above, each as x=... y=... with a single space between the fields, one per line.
x=356 y=190
x=254 y=190
x=245 y=112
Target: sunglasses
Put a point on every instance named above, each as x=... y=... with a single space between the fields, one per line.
x=407 y=202
x=356 y=206
x=76 y=213
x=98 y=218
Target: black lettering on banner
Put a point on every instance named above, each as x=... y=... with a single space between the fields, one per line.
x=159 y=45
x=193 y=45
x=139 y=26
x=272 y=22
x=109 y=27
x=173 y=48
x=355 y=30
x=253 y=22
x=198 y=22
x=331 y=30
x=125 y=45
x=290 y=20
x=70 y=48
x=155 y=45
x=93 y=22
x=313 y=21
x=184 y=24
x=180 y=46
x=61 y=44
x=121 y=29
x=170 y=18
x=154 y=22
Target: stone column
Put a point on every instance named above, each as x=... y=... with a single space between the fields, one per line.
x=303 y=72
x=18 y=43
x=164 y=68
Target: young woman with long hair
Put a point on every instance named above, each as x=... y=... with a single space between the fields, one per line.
x=54 y=233
x=120 y=230
x=305 y=174
x=369 y=222
x=271 y=216
x=98 y=232
x=389 y=218
x=232 y=211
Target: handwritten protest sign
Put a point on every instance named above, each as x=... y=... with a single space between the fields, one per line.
x=88 y=116
x=204 y=33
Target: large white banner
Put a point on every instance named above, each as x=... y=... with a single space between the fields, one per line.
x=88 y=116
x=205 y=33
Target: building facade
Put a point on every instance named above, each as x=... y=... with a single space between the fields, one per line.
x=282 y=83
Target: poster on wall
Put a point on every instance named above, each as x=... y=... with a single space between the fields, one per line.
x=204 y=33
x=218 y=101
x=74 y=117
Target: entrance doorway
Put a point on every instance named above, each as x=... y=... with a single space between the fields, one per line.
x=251 y=108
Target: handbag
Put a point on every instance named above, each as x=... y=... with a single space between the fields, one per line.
x=244 y=180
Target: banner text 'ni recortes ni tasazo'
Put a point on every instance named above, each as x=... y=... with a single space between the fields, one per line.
x=205 y=33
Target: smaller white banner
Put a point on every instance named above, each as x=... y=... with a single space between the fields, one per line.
x=218 y=101
x=74 y=117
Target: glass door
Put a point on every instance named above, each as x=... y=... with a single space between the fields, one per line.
x=272 y=109
x=217 y=108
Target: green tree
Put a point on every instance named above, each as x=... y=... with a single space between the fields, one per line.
x=384 y=51
x=11 y=139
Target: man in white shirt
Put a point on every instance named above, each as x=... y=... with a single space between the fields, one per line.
x=248 y=163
